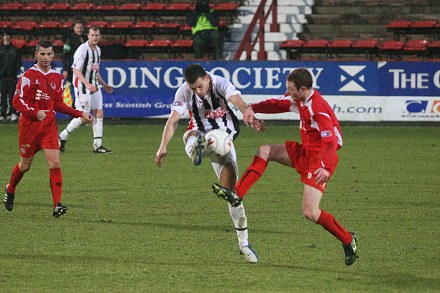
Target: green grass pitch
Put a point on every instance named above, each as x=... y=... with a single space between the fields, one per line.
x=134 y=227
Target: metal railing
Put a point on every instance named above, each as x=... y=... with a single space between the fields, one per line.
x=260 y=18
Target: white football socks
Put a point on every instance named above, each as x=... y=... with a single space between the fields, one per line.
x=97 y=132
x=74 y=124
x=189 y=145
x=238 y=216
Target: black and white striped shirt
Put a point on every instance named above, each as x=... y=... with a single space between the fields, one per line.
x=87 y=61
x=211 y=111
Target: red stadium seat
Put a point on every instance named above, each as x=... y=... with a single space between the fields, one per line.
x=130 y=6
x=99 y=24
x=316 y=44
x=35 y=6
x=178 y=7
x=11 y=6
x=66 y=25
x=159 y=44
x=391 y=45
x=367 y=47
x=392 y=49
x=423 y=24
x=292 y=44
x=364 y=44
x=121 y=25
x=136 y=43
x=49 y=24
x=107 y=7
x=396 y=24
x=5 y=24
x=154 y=6
x=182 y=44
x=32 y=43
x=24 y=25
x=83 y=6
x=145 y=25
x=415 y=45
x=226 y=7
x=18 y=43
x=172 y=26
x=59 y=6
x=340 y=43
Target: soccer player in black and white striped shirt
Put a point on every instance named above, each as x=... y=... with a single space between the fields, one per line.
x=206 y=96
x=88 y=96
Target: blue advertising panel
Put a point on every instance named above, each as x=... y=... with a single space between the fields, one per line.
x=145 y=88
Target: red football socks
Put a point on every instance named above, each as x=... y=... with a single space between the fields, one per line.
x=329 y=223
x=15 y=179
x=56 y=185
x=250 y=176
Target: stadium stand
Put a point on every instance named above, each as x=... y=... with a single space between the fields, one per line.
x=307 y=29
x=120 y=22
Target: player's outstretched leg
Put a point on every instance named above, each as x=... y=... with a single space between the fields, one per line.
x=350 y=250
x=197 y=149
x=62 y=144
x=227 y=194
x=59 y=210
x=9 y=199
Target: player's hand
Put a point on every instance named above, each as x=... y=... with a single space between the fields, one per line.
x=108 y=89
x=88 y=117
x=258 y=125
x=92 y=88
x=41 y=114
x=322 y=175
x=65 y=74
x=249 y=116
x=160 y=156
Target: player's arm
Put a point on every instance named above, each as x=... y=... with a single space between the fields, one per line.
x=22 y=98
x=168 y=133
x=248 y=117
x=329 y=146
x=108 y=89
x=60 y=106
x=81 y=77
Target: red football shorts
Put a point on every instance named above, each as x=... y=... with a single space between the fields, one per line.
x=36 y=135
x=306 y=162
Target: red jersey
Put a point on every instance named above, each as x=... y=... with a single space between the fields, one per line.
x=38 y=90
x=319 y=127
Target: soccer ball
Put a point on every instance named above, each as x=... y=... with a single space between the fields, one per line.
x=219 y=142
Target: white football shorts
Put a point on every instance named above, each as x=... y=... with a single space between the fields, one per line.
x=86 y=102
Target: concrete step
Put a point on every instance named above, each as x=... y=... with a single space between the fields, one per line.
x=288 y=9
x=373 y=3
x=284 y=27
x=342 y=28
x=268 y=36
x=282 y=18
x=282 y=2
x=271 y=55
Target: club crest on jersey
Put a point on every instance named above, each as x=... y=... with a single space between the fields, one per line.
x=214 y=114
x=326 y=133
x=177 y=104
x=53 y=85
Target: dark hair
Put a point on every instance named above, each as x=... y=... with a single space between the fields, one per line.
x=79 y=20
x=301 y=77
x=194 y=72
x=94 y=28
x=43 y=44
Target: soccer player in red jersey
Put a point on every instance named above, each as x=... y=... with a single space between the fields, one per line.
x=315 y=159
x=38 y=95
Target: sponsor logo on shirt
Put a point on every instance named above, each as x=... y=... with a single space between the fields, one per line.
x=40 y=95
x=214 y=114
